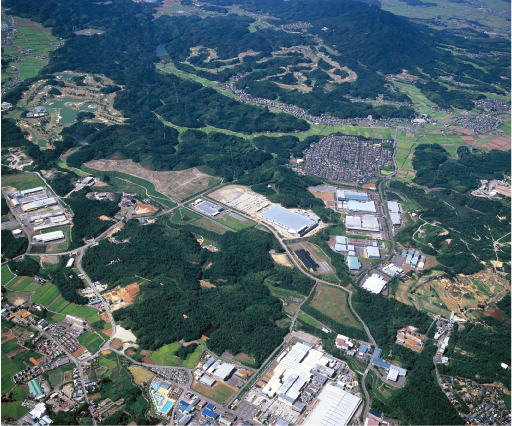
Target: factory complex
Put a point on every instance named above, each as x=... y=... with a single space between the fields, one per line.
x=38 y=210
x=290 y=223
x=369 y=223
x=305 y=385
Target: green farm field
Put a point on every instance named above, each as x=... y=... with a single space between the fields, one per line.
x=22 y=181
x=333 y=302
x=7 y=275
x=28 y=284
x=45 y=294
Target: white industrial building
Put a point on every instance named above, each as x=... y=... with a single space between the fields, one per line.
x=375 y=283
x=372 y=252
x=294 y=223
x=395 y=211
x=30 y=191
x=358 y=206
x=335 y=408
x=208 y=381
x=363 y=223
x=50 y=236
x=223 y=371
x=295 y=370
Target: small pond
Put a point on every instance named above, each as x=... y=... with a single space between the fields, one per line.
x=286 y=287
x=393 y=196
x=461 y=210
x=160 y=50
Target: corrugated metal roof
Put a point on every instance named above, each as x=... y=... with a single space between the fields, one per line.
x=353 y=262
x=287 y=218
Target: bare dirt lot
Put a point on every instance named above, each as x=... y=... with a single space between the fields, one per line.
x=116 y=343
x=51 y=260
x=128 y=294
x=177 y=185
x=282 y=259
x=229 y=193
x=125 y=335
x=145 y=209
x=206 y=284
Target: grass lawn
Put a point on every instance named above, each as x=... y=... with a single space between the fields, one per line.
x=308 y=320
x=332 y=302
x=184 y=213
x=140 y=374
x=210 y=225
x=235 y=224
x=22 y=181
x=219 y=392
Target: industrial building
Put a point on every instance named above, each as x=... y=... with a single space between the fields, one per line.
x=375 y=283
x=395 y=211
x=363 y=223
x=34 y=205
x=353 y=263
x=410 y=338
x=306 y=259
x=208 y=381
x=35 y=389
x=224 y=371
x=345 y=195
x=88 y=181
x=28 y=192
x=295 y=370
x=357 y=206
x=208 y=208
x=294 y=223
x=393 y=371
x=372 y=252
x=335 y=407
x=392 y=270
x=50 y=236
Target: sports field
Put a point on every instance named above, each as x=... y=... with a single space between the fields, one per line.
x=140 y=374
x=332 y=302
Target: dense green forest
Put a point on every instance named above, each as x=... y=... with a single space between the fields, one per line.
x=421 y=401
x=384 y=317
x=67 y=282
x=293 y=277
x=27 y=266
x=86 y=220
x=481 y=221
x=479 y=350
x=434 y=170
x=240 y=309
x=12 y=247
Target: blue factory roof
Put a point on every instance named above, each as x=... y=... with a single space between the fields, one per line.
x=183 y=405
x=209 y=413
x=210 y=407
x=404 y=252
x=363 y=349
x=353 y=262
x=378 y=361
x=287 y=218
x=351 y=195
x=374 y=413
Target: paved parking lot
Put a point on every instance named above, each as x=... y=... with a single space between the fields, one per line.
x=246 y=410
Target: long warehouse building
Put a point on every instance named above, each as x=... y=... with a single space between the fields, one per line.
x=294 y=223
x=50 y=236
x=34 y=205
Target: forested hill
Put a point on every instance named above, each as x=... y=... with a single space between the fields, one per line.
x=173 y=306
x=366 y=39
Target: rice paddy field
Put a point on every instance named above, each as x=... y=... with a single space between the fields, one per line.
x=32 y=35
x=7 y=275
x=91 y=341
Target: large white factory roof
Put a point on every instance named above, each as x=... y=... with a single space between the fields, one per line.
x=367 y=206
x=287 y=218
x=394 y=207
x=50 y=236
x=374 y=284
x=370 y=223
x=335 y=408
x=299 y=361
x=395 y=218
x=31 y=190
